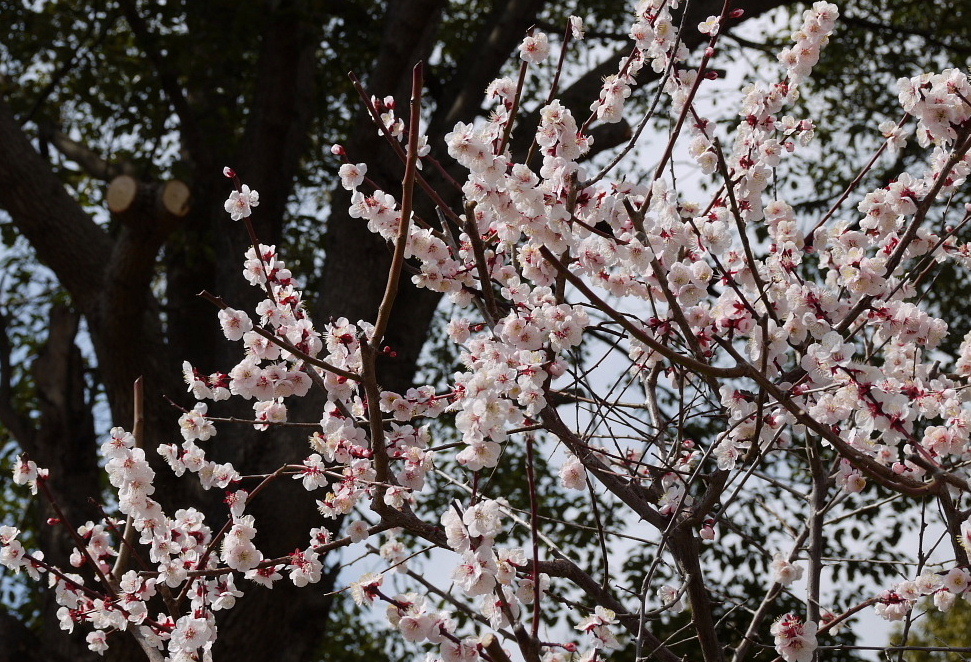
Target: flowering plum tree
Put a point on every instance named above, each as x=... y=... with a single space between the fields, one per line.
x=684 y=359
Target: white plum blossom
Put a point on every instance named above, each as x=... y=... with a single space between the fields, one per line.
x=352 y=175
x=357 y=531
x=234 y=323
x=240 y=203
x=535 y=48
x=573 y=476
x=784 y=572
x=752 y=335
x=597 y=625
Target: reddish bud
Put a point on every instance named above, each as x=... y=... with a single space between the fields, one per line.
x=736 y=13
x=337 y=150
x=53 y=521
x=711 y=75
x=229 y=173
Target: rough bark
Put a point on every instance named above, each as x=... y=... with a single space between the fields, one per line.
x=64 y=237
x=19 y=644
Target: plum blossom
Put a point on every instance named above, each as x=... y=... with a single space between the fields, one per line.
x=573 y=476
x=194 y=424
x=576 y=27
x=849 y=358
x=26 y=472
x=795 y=641
x=597 y=625
x=535 y=48
x=191 y=633
x=784 y=572
x=365 y=590
x=352 y=175
x=240 y=203
x=234 y=323
x=671 y=599
x=357 y=531
x=710 y=26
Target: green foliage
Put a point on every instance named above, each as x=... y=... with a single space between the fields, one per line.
x=936 y=629
x=353 y=636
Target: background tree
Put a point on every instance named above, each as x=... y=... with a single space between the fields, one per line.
x=937 y=629
x=172 y=93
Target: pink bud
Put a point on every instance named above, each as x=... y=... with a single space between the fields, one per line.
x=229 y=172
x=337 y=150
x=737 y=13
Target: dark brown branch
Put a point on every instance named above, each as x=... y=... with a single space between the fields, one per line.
x=686 y=550
x=168 y=78
x=91 y=163
x=628 y=492
x=64 y=237
x=655 y=648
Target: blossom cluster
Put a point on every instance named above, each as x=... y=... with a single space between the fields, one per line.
x=794 y=640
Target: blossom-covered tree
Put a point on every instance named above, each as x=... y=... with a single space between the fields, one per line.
x=772 y=367
x=132 y=108
x=775 y=370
